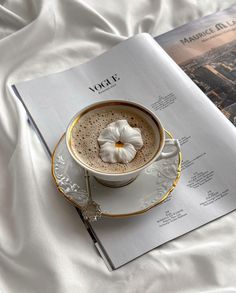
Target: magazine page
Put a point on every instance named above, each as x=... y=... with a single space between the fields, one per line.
x=141 y=71
x=206 y=50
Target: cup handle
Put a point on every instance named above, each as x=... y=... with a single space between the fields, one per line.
x=174 y=142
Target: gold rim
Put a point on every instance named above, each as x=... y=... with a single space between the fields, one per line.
x=118 y=215
x=98 y=105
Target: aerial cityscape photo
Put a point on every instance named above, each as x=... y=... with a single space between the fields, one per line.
x=215 y=74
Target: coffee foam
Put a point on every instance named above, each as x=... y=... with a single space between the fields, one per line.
x=85 y=133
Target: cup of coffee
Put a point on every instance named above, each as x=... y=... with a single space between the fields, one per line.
x=115 y=140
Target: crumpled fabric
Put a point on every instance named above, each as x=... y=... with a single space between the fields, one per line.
x=44 y=247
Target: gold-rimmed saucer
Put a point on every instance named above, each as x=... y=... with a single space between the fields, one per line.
x=149 y=189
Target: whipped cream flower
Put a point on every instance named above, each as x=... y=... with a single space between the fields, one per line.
x=119 y=142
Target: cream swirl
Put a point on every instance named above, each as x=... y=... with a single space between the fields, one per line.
x=119 y=142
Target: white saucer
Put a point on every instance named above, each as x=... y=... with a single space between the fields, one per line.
x=149 y=189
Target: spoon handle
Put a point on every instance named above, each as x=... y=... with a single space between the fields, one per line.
x=91 y=211
x=87 y=180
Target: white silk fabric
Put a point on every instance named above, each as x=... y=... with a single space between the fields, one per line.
x=44 y=247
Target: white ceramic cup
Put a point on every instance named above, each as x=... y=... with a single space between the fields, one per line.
x=122 y=179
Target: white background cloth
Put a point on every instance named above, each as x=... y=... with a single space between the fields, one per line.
x=44 y=246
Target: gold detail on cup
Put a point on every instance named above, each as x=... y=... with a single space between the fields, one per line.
x=105 y=104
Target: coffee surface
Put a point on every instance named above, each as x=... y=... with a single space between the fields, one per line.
x=86 y=131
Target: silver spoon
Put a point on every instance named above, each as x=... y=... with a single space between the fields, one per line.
x=91 y=211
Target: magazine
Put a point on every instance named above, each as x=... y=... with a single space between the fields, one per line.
x=139 y=70
x=206 y=50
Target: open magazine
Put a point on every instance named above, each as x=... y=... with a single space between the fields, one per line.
x=143 y=72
